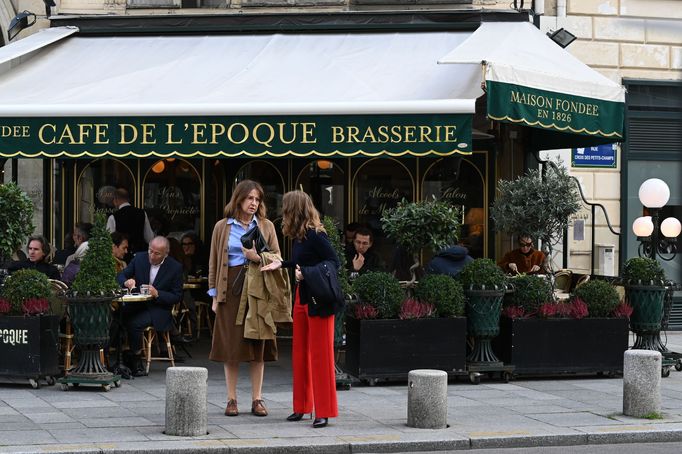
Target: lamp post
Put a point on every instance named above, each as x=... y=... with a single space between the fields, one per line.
x=657 y=239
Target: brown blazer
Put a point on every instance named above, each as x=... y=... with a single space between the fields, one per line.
x=217 y=260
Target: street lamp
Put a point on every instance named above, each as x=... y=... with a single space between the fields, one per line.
x=656 y=239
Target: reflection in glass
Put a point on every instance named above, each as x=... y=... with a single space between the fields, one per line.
x=324 y=181
x=172 y=197
x=378 y=185
x=460 y=182
x=96 y=185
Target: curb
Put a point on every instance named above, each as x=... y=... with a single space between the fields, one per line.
x=329 y=446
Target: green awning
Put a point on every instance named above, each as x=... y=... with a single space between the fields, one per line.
x=530 y=80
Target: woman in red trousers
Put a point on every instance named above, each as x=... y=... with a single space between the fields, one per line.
x=313 y=342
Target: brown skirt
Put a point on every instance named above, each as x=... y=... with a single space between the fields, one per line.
x=228 y=338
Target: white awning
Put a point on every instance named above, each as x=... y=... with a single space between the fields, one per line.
x=258 y=74
x=518 y=53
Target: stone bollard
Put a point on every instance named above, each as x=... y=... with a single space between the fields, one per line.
x=641 y=383
x=186 y=395
x=427 y=399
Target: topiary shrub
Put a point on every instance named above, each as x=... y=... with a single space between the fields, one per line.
x=380 y=290
x=482 y=274
x=16 y=219
x=443 y=292
x=25 y=285
x=530 y=292
x=97 y=274
x=335 y=239
x=643 y=271
x=600 y=296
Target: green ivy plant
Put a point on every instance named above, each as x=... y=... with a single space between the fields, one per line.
x=537 y=205
x=530 y=292
x=430 y=224
x=335 y=239
x=600 y=296
x=482 y=274
x=380 y=290
x=444 y=292
x=16 y=219
x=643 y=271
x=24 y=285
x=97 y=274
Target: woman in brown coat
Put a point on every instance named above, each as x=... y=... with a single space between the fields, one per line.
x=226 y=271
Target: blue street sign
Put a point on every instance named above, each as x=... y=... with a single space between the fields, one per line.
x=599 y=156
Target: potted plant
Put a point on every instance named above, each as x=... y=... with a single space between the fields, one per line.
x=430 y=224
x=29 y=347
x=588 y=334
x=390 y=332
x=16 y=220
x=528 y=293
x=93 y=290
x=645 y=291
x=537 y=205
x=484 y=286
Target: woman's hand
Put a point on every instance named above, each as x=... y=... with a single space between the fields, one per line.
x=272 y=266
x=214 y=306
x=251 y=254
x=298 y=274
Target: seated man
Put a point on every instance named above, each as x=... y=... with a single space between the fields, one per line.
x=163 y=274
x=525 y=259
x=449 y=261
x=361 y=259
x=119 y=249
x=38 y=249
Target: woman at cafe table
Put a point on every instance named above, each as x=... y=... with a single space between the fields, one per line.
x=524 y=259
x=226 y=270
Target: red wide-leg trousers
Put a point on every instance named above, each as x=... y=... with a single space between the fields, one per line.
x=312 y=359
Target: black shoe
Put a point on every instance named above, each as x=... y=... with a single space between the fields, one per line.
x=295 y=417
x=180 y=339
x=320 y=422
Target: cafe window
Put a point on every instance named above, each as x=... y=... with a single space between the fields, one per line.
x=461 y=182
x=379 y=184
x=172 y=197
x=97 y=183
x=324 y=181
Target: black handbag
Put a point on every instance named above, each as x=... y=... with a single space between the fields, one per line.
x=322 y=289
x=253 y=236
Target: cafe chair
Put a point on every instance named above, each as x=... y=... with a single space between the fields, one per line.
x=150 y=339
x=584 y=278
x=563 y=280
x=66 y=345
x=204 y=316
x=181 y=317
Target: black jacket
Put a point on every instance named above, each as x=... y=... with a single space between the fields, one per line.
x=321 y=280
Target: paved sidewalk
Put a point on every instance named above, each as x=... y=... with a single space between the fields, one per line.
x=524 y=412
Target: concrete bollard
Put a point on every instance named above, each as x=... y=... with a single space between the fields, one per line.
x=186 y=396
x=427 y=399
x=641 y=383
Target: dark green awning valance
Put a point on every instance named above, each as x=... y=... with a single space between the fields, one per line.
x=237 y=137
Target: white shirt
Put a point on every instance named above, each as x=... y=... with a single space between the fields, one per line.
x=153 y=271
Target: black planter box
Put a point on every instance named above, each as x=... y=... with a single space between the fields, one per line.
x=389 y=349
x=563 y=346
x=28 y=346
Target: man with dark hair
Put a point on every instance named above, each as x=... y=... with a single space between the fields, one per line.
x=38 y=249
x=119 y=249
x=131 y=221
x=361 y=258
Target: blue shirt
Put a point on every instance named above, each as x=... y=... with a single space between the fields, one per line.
x=235 y=255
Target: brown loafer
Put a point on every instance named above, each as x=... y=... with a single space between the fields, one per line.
x=258 y=408
x=231 y=409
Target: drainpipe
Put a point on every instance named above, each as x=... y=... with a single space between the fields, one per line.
x=538 y=10
x=560 y=8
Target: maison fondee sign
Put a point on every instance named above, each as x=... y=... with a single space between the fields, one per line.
x=250 y=136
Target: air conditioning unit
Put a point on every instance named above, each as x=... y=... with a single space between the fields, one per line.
x=606 y=254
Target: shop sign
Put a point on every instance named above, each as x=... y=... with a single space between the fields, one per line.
x=603 y=156
x=556 y=111
x=245 y=136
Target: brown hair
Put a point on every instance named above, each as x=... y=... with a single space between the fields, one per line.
x=299 y=214
x=240 y=193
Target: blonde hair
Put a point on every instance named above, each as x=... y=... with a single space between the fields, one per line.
x=240 y=193
x=299 y=214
